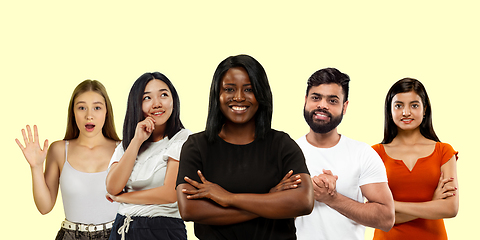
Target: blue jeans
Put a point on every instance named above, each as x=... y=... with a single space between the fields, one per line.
x=145 y=228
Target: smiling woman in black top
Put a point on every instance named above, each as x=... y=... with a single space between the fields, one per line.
x=240 y=179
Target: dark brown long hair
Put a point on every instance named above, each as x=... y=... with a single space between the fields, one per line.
x=402 y=86
x=108 y=129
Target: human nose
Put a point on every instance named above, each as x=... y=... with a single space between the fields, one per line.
x=89 y=114
x=406 y=111
x=156 y=103
x=322 y=104
x=239 y=96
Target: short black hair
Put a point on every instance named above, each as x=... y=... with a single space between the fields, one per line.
x=329 y=75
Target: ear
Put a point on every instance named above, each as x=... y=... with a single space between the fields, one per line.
x=345 y=105
x=306 y=96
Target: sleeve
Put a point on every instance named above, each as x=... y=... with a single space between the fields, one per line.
x=448 y=152
x=191 y=161
x=173 y=151
x=377 y=148
x=372 y=167
x=292 y=156
x=117 y=155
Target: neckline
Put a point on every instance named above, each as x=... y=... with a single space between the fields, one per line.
x=418 y=159
x=325 y=148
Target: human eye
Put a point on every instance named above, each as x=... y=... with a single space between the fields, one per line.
x=146 y=98
x=397 y=106
x=97 y=108
x=248 y=90
x=81 y=108
x=164 y=94
x=415 y=105
x=228 y=89
x=334 y=101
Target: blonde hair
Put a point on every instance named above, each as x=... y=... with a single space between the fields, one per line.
x=108 y=129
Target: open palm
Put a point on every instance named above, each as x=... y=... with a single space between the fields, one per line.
x=32 y=151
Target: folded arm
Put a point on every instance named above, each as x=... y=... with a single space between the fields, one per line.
x=438 y=208
x=159 y=195
x=208 y=203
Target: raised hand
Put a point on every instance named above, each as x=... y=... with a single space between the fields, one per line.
x=207 y=189
x=144 y=129
x=288 y=182
x=443 y=191
x=33 y=153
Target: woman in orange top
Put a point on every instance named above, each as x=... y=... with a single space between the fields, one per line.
x=421 y=170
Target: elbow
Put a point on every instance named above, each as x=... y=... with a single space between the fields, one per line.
x=387 y=224
x=185 y=213
x=43 y=211
x=387 y=221
x=451 y=212
x=306 y=203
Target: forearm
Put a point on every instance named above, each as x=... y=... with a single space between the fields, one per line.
x=403 y=218
x=120 y=172
x=205 y=211
x=43 y=197
x=435 y=209
x=158 y=195
x=278 y=205
x=371 y=214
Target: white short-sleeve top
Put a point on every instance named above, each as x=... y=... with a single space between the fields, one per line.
x=149 y=172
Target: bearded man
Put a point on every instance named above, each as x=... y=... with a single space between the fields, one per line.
x=349 y=178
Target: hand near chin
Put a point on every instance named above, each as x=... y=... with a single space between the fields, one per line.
x=144 y=129
x=33 y=153
x=207 y=189
x=288 y=182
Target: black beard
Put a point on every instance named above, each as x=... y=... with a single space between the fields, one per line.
x=322 y=126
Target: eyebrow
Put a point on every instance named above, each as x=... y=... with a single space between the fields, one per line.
x=414 y=101
x=233 y=84
x=321 y=95
x=98 y=102
x=161 y=90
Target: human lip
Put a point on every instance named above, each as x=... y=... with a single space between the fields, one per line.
x=89 y=127
x=407 y=120
x=238 y=108
x=158 y=113
x=321 y=115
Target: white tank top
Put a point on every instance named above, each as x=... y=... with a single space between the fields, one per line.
x=83 y=195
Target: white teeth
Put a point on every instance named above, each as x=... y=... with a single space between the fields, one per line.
x=237 y=108
x=157 y=113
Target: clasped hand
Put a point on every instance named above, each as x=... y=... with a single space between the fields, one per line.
x=324 y=186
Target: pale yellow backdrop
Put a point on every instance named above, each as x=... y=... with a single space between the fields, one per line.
x=48 y=47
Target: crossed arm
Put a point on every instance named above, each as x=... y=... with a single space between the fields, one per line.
x=378 y=212
x=209 y=203
x=445 y=201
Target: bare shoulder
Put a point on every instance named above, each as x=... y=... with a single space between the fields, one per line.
x=56 y=150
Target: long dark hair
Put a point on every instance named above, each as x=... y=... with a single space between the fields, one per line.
x=108 y=129
x=261 y=90
x=134 y=113
x=402 y=86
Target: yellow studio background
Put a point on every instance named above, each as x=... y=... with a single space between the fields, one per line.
x=48 y=47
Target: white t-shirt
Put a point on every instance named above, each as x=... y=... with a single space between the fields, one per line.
x=356 y=164
x=149 y=172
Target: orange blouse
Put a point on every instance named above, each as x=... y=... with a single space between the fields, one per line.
x=417 y=185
